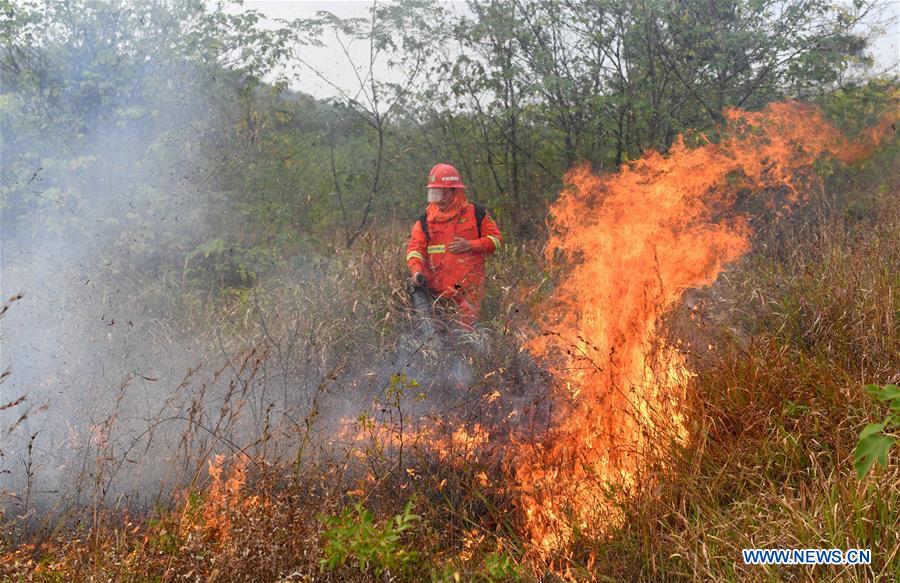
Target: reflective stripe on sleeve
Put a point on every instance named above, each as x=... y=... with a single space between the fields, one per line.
x=495 y=241
x=415 y=254
x=437 y=249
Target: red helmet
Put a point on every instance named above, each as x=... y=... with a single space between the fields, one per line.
x=444 y=176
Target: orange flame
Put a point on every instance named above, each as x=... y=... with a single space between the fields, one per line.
x=635 y=241
x=449 y=442
x=223 y=496
x=224 y=500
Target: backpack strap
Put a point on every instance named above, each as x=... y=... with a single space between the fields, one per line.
x=480 y=213
x=423 y=222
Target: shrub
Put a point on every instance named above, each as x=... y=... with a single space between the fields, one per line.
x=875 y=440
x=355 y=535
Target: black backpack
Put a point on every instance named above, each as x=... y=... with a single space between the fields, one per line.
x=480 y=212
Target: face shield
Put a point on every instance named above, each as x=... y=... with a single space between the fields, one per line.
x=437 y=194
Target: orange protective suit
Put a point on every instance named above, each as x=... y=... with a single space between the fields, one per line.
x=459 y=276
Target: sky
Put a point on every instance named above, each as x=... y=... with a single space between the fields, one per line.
x=336 y=66
x=330 y=59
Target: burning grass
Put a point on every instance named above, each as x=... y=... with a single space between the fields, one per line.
x=787 y=342
x=636 y=240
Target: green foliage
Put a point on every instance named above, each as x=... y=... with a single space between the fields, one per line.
x=354 y=535
x=501 y=567
x=875 y=440
x=533 y=88
x=494 y=568
x=855 y=107
x=399 y=386
x=164 y=534
x=228 y=264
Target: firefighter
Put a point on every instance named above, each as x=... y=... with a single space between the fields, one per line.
x=449 y=243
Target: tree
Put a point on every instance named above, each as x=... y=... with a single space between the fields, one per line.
x=395 y=37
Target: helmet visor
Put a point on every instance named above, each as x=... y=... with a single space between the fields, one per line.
x=437 y=194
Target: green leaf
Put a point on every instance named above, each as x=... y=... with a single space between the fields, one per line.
x=885 y=393
x=870 y=450
x=873 y=389
x=871 y=429
x=889 y=392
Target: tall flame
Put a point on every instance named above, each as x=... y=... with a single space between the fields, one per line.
x=225 y=499
x=635 y=241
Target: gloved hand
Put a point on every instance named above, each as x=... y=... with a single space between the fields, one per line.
x=418 y=279
x=459 y=245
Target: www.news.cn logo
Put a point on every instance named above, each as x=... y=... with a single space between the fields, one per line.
x=807 y=556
